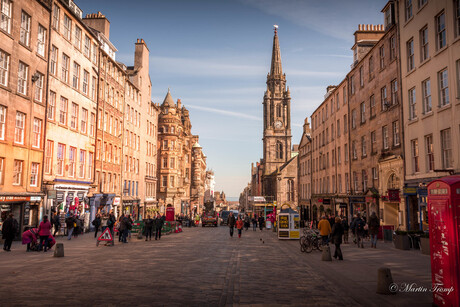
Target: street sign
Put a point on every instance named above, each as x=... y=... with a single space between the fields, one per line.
x=106 y=235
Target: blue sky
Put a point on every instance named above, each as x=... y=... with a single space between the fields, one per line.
x=215 y=56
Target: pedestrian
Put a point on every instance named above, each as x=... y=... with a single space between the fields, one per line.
x=346 y=227
x=352 y=228
x=231 y=223
x=30 y=237
x=78 y=227
x=121 y=227
x=9 y=228
x=331 y=219
x=247 y=222
x=110 y=223
x=254 y=223
x=96 y=223
x=158 y=226
x=56 y=222
x=324 y=228
x=261 y=221
x=44 y=231
x=130 y=220
x=239 y=226
x=70 y=223
x=358 y=225
x=148 y=227
x=374 y=225
x=336 y=235
x=104 y=220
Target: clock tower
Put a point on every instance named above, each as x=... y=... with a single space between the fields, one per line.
x=277 y=114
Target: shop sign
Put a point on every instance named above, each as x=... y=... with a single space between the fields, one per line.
x=81 y=195
x=358 y=199
x=423 y=191
x=320 y=200
x=410 y=191
x=284 y=221
x=116 y=201
x=26 y=214
x=35 y=198
x=339 y=200
x=60 y=196
x=393 y=195
x=14 y=198
x=327 y=201
x=52 y=194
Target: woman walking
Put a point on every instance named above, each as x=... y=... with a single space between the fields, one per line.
x=44 y=231
x=336 y=234
x=239 y=226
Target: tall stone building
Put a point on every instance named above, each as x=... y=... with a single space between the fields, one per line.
x=24 y=31
x=304 y=172
x=72 y=110
x=109 y=132
x=430 y=86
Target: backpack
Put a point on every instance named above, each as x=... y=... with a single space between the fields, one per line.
x=360 y=226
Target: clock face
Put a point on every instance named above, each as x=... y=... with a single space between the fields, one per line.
x=278 y=124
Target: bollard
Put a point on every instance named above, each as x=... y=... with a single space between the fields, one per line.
x=326 y=256
x=59 y=250
x=385 y=283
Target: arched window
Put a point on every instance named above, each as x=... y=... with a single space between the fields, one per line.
x=393 y=182
x=278 y=110
x=290 y=190
x=172 y=129
x=279 y=150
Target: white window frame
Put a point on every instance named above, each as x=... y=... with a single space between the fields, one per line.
x=37 y=131
x=443 y=83
x=39 y=83
x=412 y=104
x=20 y=124
x=4 y=68
x=17 y=172
x=41 y=40
x=34 y=173
x=23 y=73
x=6 y=14
x=24 y=36
x=3 y=111
x=426 y=96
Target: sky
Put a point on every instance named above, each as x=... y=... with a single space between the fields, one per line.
x=214 y=55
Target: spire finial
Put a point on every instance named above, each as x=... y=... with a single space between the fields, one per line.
x=275 y=27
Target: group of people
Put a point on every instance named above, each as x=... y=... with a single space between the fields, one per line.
x=335 y=229
x=239 y=223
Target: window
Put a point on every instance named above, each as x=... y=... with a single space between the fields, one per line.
x=85 y=82
x=165 y=144
x=67 y=27
x=373 y=142
x=24 y=37
x=164 y=181
x=94 y=56
x=82 y=164
x=424 y=51
x=37 y=131
x=426 y=92
x=23 y=72
x=363 y=112
x=34 y=174
x=429 y=152
x=371 y=67
x=354 y=152
x=339 y=155
x=19 y=128
x=443 y=88
x=93 y=88
x=84 y=120
x=394 y=92
x=338 y=128
x=372 y=104
x=458 y=77
x=385 y=137
x=279 y=150
x=352 y=85
x=290 y=190
x=92 y=124
x=392 y=47
x=172 y=163
x=4 y=66
x=382 y=57
x=72 y=161
x=17 y=172
x=51 y=105
x=2 y=122
x=363 y=146
x=361 y=76
x=171 y=181
x=77 y=41
x=421 y=3
x=355 y=182
x=53 y=60
x=364 y=175
x=41 y=40
x=39 y=87
x=5 y=21
x=87 y=46
x=375 y=174
x=383 y=98
x=353 y=119
x=414 y=153
x=408 y=9
x=396 y=133
x=56 y=13
x=49 y=156
x=410 y=54
x=345 y=124
x=65 y=68
x=90 y=165
x=345 y=153
x=76 y=75
x=412 y=110
x=440 y=31
x=446 y=148
x=63 y=111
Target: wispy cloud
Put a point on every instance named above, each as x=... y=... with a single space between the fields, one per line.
x=225 y=112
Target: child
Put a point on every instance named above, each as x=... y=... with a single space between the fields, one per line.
x=239 y=226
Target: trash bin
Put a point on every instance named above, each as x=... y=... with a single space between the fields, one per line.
x=387 y=235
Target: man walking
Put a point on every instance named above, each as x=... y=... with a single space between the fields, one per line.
x=148 y=225
x=231 y=223
x=374 y=225
x=261 y=222
x=9 y=229
x=96 y=223
x=358 y=225
x=70 y=222
x=158 y=225
x=56 y=221
x=324 y=228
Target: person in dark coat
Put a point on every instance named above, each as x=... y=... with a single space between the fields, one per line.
x=158 y=226
x=346 y=228
x=148 y=227
x=336 y=235
x=121 y=227
x=254 y=223
x=56 y=222
x=261 y=222
x=97 y=223
x=70 y=222
x=9 y=228
x=231 y=222
x=358 y=225
x=111 y=222
x=374 y=225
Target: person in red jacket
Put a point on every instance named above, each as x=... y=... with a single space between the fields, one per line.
x=239 y=225
x=44 y=231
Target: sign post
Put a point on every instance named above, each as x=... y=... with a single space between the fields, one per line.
x=107 y=236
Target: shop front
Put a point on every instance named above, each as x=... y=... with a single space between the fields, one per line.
x=391 y=213
x=26 y=210
x=341 y=207
x=357 y=205
x=415 y=196
x=131 y=206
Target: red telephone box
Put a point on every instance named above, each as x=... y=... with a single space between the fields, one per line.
x=170 y=214
x=444 y=219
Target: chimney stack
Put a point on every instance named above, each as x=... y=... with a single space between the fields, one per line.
x=98 y=22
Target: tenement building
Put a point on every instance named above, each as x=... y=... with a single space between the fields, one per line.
x=304 y=173
x=109 y=130
x=72 y=111
x=430 y=85
x=24 y=31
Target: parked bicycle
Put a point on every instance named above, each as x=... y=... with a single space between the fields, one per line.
x=310 y=240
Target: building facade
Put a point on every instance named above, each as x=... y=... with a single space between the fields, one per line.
x=304 y=173
x=24 y=34
x=430 y=75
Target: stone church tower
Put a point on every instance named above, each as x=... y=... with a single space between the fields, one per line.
x=277 y=115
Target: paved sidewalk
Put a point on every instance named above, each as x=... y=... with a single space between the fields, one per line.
x=205 y=267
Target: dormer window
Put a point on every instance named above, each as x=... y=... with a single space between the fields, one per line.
x=389 y=16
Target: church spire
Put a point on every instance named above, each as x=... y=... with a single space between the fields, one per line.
x=276 y=69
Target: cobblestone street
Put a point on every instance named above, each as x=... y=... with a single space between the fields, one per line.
x=204 y=267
